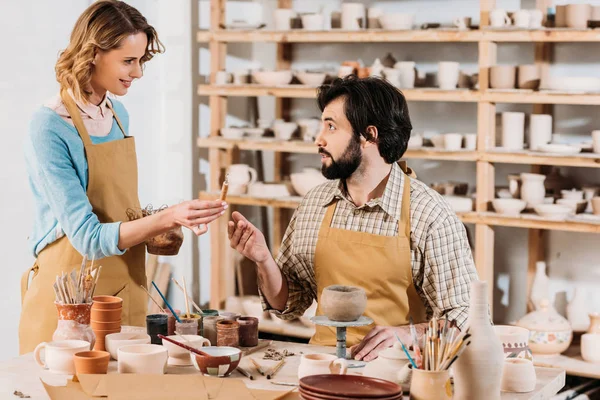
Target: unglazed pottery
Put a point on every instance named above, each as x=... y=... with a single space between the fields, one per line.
x=304 y=181
x=343 y=303
x=578 y=15
x=513 y=130
x=180 y=356
x=515 y=341
x=540 y=130
x=273 y=78
x=91 y=362
x=142 y=359
x=590 y=347
x=447 y=77
x=114 y=341
x=478 y=371
x=503 y=76
x=387 y=364
x=510 y=207
x=532 y=188
x=550 y=333
x=58 y=357
x=221 y=361
x=540 y=287
x=528 y=76
x=320 y=364
x=577 y=311
x=518 y=375
x=594 y=323
x=430 y=385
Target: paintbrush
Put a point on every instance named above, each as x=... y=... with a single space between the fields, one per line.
x=256 y=348
x=246 y=373
x=406 y=352
x=271 y=373
x=184 y=346
x=185 y=297
x=162 y=310
x=258 y=367
x=166 y=303
x=189 y=297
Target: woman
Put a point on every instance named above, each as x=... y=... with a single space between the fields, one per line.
x=83 y=172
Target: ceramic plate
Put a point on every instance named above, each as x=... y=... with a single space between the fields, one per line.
x=558 y=148
x=307 y=394
x=587 y=218
x=350 y=386
x=243 y=26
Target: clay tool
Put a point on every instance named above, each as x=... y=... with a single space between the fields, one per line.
x=166 y=303
x=271 y=373
x=162 y=310
x=284 y=383
x=189 y=297
x=184 y=346
x=224 y=188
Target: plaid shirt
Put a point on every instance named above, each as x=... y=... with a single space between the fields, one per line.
x=442 y=264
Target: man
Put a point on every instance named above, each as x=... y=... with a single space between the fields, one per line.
x=371 y=226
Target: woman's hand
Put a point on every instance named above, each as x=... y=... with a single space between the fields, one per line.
x=197 y=214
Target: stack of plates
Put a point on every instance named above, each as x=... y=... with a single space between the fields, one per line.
x=333 y=387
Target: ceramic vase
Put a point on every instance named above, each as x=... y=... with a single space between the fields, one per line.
x=533 y=190
x=541 y=285
x=577 y=313
x=594 y=323
x=478 y=371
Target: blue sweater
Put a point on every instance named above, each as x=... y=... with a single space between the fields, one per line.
x=58 y=177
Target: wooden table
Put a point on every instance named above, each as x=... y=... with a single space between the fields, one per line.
x=23 y=374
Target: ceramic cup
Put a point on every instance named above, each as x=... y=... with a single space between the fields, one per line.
x=540 y=130
x=577 y=15
x=503 y=76
x=91 y=362
x=407 y=74
x=590 y=347
x=513 y=130
x=58 y=357
x=157 y=324
x=353 y=16
x=518 y=375
x=471 y=141
x=462 y=23
x=430 y=385
x=453 y=141
x=521 y=18
x=514 y=339
x=595 y=205
x=241 y=174
x=313 y=22
x=283 y=18
x=448 y=73
x=528 y=76
x=319 y=364
x=142 y=359
x=222 y=78
x=499 y=18
x=536 y=18
x=373 y=14
x=596 y=141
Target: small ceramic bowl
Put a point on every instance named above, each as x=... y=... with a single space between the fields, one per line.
x=553 y=211
x=273 y=78
x=311 y=78
x=221 y=361
x=512 y=207
x=142 y=359
x=91 y=362
x=180 y=356
x=232 y=133
x=343 y=303
x=285 y=130
x=577 y=206
x=114 y=341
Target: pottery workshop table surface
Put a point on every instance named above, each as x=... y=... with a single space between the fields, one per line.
x=23 y=374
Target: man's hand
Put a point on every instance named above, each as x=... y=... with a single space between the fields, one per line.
x=247 y=239
x=380 y=338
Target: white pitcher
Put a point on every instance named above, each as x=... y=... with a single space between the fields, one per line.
x=241 y=174
x=320 y=364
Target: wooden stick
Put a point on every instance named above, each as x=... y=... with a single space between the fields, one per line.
x=196 y=306
x=185 y=296
x=183 y=346
x=258 y=367
x=224 y=188
x=271 y=373
x=244 y=372
x=151 y=298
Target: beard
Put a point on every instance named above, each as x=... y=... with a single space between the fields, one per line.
x=346 y=165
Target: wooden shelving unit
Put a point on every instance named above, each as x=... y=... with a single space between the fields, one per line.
x=223 y=152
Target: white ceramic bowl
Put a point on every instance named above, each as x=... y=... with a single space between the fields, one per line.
x=179 y=355
x=553 y=211
x=459 y=203
x=254 y=132
x=574 y=83
x=311 y=78
x=312 y=22
x=577 y=206
x=397 y=21
x=511 y=207
x=142 y=359
x=273 y=78
x=284 y=130
x=232 y=133
x=303 y=182
x=114 y=341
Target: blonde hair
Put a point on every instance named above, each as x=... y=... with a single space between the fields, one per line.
x=102 y=26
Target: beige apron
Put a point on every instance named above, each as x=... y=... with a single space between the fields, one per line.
x=379 y=264
x=112 y=189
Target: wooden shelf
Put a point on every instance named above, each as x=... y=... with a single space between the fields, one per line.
x=297 y=146
x=542 y=97
x=381 y=36
x=583 y=160
x=571 y=362
x=531 y=221
x=293 y=328
x=310 y=92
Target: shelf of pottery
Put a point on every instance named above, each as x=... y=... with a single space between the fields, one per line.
x=532 y=200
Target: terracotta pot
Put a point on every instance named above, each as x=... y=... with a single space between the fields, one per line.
x=430 y=385
x=106 y=326
x=503 y=76
x=228 y=333
x=221 y=361
x=518 y=375
x=107 y=302
x=91 y=362
x=100 y=335
x=100 y=315
x=343 y=303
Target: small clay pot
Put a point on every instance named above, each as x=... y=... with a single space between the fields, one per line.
x=248 y=331
x=100 y=315
x=107 y=302
x=106 y=326
x=343 y=303
x=228 y=333
x=91 y=362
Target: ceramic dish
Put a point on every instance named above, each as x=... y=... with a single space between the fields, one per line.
x=553 y=211
x=512 y=207
x=555 y=148
x=273 y=78
x=232 y=133
x=350 y=386
x=311 y=78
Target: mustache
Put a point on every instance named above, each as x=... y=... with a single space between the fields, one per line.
x=323 y=151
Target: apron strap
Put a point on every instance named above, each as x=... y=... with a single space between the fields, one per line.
x=109 y=104
x=73 y=111
x=405 y=212
x=329 y=215
x=25 y=280
x=406 y=169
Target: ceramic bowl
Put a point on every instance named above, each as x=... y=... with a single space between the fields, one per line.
x=343 y=303
x=590 y=347
x=114 y=341
x=311 y=78
x=273 y=78
x=577 y=206
x=459 y=203
x=107 y=302
x=511 y=207
x=221 y=361
x=572 y=194
x=574 y=83
x=254 y=132
x=397 y=21
x=557 y=148
x=285 y=130
x=518 y=376
x=142 y=359
x=304 y=181
x=232 y=133
x=180 y=356
x=514 y=341
x=553 y=211
x=91 y=362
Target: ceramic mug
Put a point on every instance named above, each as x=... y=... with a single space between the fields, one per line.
x=499 y=18
x=319 y=364
x=535 y=19
x=58 y=357
x=540 y=130
x=522 y=18
x=448 y=72
x=513 y=130
x=241 y=174
x=283 y=18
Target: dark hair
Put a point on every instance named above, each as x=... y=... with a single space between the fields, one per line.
x=372 y=101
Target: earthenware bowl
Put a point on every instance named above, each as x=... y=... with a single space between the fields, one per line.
x=221 y=361
x=343 y=303
x=180 y=356
x=273 y=78
x=91 y=362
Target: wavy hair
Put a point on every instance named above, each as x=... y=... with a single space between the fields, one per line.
x=102 y=26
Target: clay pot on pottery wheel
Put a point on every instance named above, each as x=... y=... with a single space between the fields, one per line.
x=343 y=303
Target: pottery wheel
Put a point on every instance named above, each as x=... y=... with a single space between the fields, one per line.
x=341 y=335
